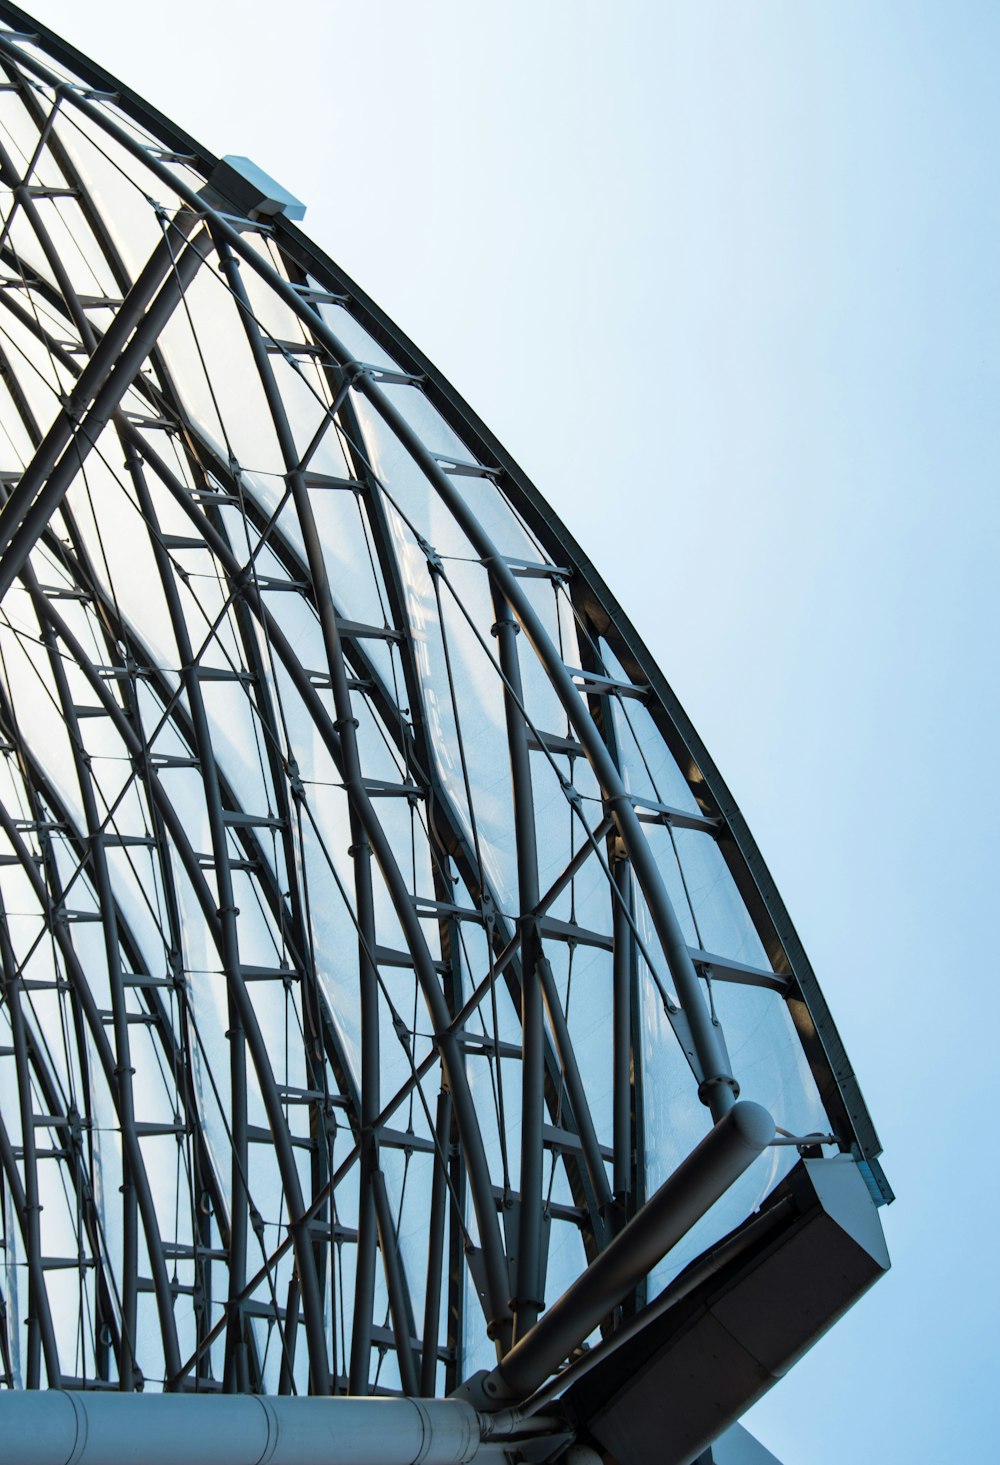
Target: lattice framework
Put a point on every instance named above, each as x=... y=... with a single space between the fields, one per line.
x=375 y=932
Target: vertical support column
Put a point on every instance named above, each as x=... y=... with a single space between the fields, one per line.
x=367 y=1256
x=622 y=1033
x=41 y=1334
x=529 y=1286
x=435 y=1248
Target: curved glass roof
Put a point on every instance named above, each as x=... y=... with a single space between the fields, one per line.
x=375 y=932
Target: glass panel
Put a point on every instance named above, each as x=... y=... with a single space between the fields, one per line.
x=722 y=920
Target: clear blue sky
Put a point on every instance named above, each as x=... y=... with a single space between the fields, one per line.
x=724 y=277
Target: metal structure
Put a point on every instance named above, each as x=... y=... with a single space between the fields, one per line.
x=382 y=954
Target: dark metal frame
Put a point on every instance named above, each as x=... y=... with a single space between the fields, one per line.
x=507 y=1256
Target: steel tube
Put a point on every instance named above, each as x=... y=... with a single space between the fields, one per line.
x=56 y=1427
x=529 y=1283
x=99 y=389
x=711 y=1168
x=622 y=1036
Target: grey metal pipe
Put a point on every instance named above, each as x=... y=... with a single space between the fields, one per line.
x=711 y=1168
x=529 y=1290
x=57 y=1427
x=96 y=395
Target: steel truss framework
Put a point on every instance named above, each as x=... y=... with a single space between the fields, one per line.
x=376 y=934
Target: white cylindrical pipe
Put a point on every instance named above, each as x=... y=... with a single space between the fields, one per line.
x=56 y=1427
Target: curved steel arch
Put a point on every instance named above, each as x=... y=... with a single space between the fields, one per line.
x=431 y=940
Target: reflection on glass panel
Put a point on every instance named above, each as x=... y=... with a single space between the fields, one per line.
x=721 y=919
x=646 y=760
x=347 y=329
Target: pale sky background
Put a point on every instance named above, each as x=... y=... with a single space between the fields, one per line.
x=724 y=278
